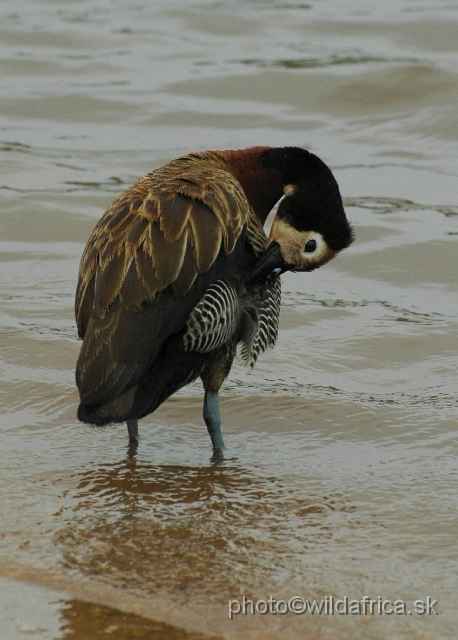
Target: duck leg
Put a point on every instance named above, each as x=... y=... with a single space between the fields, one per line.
x=213 y=375
x=213 y=419
x=132 y=428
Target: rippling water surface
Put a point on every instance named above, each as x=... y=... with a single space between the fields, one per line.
x=341 y=475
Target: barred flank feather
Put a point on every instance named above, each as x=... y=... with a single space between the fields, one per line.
x=221 y=316
x=266 y=327
x=266 y=307
x=213 y=321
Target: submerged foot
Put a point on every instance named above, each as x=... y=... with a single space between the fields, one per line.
x=218 y=454
x=132 y=448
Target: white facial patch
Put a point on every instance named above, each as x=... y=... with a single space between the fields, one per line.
x=314 y=245
x=303 y=250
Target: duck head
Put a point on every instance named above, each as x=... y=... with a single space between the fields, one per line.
x=310 y=226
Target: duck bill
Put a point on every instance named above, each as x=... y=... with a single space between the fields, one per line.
x=270 y=265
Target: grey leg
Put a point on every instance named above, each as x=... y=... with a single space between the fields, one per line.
x=132 y=428
x=213 y=420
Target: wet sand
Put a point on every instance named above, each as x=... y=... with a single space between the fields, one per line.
x=341 y=473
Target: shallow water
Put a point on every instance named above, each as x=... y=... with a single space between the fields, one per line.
x=341 y=475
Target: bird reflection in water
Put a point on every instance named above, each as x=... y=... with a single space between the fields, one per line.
x=184 y=528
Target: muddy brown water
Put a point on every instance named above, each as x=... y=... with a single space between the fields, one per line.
x=341 y=473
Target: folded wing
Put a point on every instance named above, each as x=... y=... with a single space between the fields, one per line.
x=149 y=261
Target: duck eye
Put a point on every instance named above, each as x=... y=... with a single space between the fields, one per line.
x=310 y=246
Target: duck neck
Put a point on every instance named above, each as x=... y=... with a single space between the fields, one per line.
x=262 y=186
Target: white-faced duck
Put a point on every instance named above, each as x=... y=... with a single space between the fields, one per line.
x=179 y=271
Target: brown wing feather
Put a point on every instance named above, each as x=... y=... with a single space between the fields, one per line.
x=134 y=289
x=188 y=273
x=206 y=236
x=166 y=229
x=179 y=209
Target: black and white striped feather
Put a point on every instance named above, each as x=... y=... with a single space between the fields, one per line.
x=222 y=315
x=267 y=308
x=214 y=320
